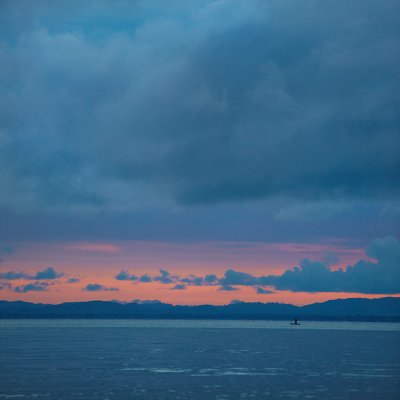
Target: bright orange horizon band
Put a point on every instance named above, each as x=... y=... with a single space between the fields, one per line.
x=99 y=263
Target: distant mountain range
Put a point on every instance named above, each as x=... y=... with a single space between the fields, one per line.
x=382 y=309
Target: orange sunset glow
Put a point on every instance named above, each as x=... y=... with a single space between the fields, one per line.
x=86 y=263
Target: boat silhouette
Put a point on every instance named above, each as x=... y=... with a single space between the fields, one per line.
x=295 y=322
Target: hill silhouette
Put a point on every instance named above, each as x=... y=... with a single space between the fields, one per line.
x=382 y=309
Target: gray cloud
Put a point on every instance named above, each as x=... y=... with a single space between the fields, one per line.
x=365 y=276
x=12 y=275
x=145 y=278
x=96 y=287
x=73 y=280
x=261 y=290
x=179 y=286
x=211 y=279
x=381 y=276
x=125 y=276
x=227 y=288
x=195 y=280
x=245 y=222
x=275 y=100
x=371 y=277
x=165 y=277
x=47 y=274
x=32 y=287
x=232 y=277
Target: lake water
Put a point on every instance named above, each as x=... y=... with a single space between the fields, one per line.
x=153 y=359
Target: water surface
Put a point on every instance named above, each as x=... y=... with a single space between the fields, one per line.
x=155 y=359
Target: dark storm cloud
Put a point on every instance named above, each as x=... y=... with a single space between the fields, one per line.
x=32 y=287
x=96 y=287
x=139 y=104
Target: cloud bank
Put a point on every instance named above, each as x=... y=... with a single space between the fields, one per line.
x=96 y=287
x=275 y=99
x=47 y=274
x=380 y=274
x=32 y=287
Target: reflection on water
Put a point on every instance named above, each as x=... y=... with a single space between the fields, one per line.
x=118 y=359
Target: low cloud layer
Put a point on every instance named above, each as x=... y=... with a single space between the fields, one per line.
x=32 y=287
x=125 y=276
x=179 y=286
x=379 y=274
x=47 y=274
x=73 y=280
x=96 y=287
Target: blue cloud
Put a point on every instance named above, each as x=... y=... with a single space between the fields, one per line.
x=12 y=275
x=165 y=277
x=96 y=287
x=32 y=287
x=210 y=279
x=261 y=290
x=301 y=123
x=125 y=276
x=145 y=278
x=49 y=273
x=227 y=288
x=73 y=280
x=193 y=280
x=373 y=277
x=179 y=286
x=232 y=277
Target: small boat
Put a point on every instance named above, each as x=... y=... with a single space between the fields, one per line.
x=295 y=322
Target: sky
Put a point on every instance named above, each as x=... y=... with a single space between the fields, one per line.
x=199 y=152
